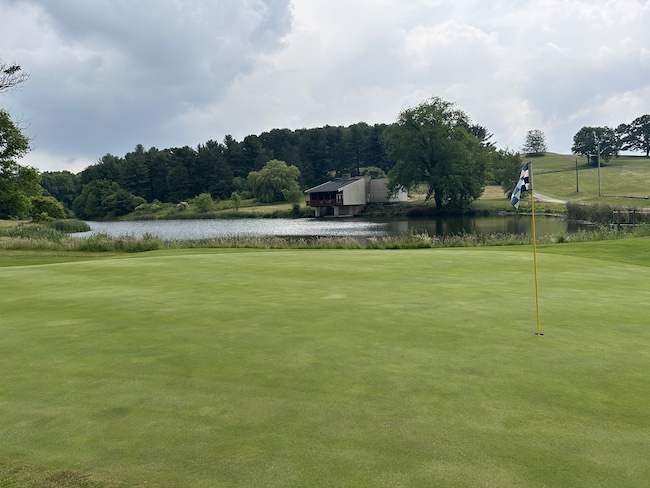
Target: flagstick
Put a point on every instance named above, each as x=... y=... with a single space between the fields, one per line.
x=532 y=201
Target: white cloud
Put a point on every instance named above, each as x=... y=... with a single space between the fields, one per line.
x=45 y=161
x=107 y=75
x=114 y=74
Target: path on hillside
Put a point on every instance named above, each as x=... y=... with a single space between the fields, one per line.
x=544 y=198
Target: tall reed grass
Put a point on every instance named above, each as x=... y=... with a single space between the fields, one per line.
x=589 y=212
x=69 y=225
x=34 y=232
x=38 y=237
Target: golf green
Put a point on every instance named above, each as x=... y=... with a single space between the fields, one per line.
x=367 y=368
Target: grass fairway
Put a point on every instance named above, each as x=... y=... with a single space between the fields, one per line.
x=324 y=368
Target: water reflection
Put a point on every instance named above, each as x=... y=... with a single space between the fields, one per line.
x=348 y=227
x=511 y=224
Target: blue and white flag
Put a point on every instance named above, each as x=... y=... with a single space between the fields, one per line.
x=523 y=185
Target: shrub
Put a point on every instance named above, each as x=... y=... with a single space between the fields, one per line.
x=596 y=213
x=295 y=210
x=236 y=200
x=46 y=208
x=152 y=207
x=203 y=203
x=641 y=230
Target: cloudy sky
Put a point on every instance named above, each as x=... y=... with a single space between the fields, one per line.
x=109 y=74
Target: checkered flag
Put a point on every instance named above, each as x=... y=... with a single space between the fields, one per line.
x=523 y=185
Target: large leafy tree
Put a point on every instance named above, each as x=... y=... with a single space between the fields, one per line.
x=108 y=167
x=535 y=144
x=13 y=144
x=482 y=134
x=17 y=183
x=274 y=181
x=103 y=198
x=45 y=208
x=21 y=194
x=61 y=185
x=506 y=168
x=638 y=138
x=589 y=140
x=432 y=146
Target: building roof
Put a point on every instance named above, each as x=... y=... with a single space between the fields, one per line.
x=335 y=185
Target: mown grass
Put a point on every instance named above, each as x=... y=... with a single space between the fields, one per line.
x=555 y=176
x=392 y=368
x=27 y=476
x=494 y=201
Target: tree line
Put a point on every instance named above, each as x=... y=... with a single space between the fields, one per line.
x=608 y=142
x=434 y=146
x=218 y=168
x=272 y=166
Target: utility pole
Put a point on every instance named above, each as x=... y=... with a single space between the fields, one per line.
x=599 y=194
x=598 y=160
x=577 y=187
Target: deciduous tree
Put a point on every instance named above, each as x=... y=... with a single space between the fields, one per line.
x=268 y=183
x=506 y=168
x=639 y=135
x=60 y=185
x=17 y=183
x=588 y=140
x=104 y=198
x=44 y=208
x=432 y=146
x=236 y=200
x=535 y=144
x=204 y=203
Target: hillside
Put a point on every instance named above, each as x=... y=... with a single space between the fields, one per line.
x=621 y=178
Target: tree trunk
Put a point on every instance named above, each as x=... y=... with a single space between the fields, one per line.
x=437 y=198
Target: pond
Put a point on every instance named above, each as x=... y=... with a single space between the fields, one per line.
x=343 y=227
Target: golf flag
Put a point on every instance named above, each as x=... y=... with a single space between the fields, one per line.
x=523 y=185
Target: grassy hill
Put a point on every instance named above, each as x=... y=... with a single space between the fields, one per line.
x=210 y=368
x=626 y=176
x=555 y=176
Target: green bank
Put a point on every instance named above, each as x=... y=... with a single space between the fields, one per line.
x=367 y=368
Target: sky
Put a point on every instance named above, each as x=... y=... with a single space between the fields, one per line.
x=106 y=75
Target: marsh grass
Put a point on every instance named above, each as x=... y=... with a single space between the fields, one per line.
x=32 y=236
x=599 y=213
x=37 y=237
x=69 y=226
x=102 y=242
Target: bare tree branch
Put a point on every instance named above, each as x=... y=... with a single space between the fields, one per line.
x=11 y=75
